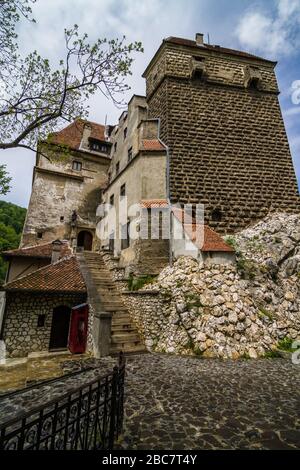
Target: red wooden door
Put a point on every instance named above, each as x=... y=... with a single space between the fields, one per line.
x=78 y=329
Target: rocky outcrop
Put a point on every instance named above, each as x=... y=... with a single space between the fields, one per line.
x=230 y=311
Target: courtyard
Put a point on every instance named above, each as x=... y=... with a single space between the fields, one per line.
x=177 y=403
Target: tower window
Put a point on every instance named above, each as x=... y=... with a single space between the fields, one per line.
x=62 y=218
x=77 y=166
x=125 y=133
x=254 y=84
x=129 y=154
x=112 y=200
x=216 y=215
x=123 y=190
x=115 y=146
x=39 y=235
x=117 y=168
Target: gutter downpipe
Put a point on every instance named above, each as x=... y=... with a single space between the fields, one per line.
x=168 y=195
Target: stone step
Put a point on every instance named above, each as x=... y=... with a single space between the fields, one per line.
x=123 y=328
x=128 y=349
x=125 y=337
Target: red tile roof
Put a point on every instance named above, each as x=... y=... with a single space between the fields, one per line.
x=202 y=235
x=72 y=134
x=37 y=251
x=152 y=144
x=153 y=203
x=62 y=276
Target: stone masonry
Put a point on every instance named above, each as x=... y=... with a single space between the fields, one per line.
x=21 y=333
x=227 y=142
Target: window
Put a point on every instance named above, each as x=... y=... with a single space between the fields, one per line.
x=98 y=146
x=198 y=59
x=77 y=165
x=129 y=153
x=125 y=241
x=125 y=133
x=123 y=190
x=117 y=168
x=216 y=215
x=62 y=218
x=115 y=146
x=112 y=200
x=254 y=84
x=39 y=235
x=41 y=321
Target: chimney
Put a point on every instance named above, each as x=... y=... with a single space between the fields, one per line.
x=199 y=39
x=86 y=134
x=56 y=251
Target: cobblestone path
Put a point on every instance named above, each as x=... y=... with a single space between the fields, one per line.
x=190 y=403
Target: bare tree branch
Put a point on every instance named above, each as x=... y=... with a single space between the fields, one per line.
x=35 y=99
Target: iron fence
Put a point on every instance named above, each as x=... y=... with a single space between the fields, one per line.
x=87 y=418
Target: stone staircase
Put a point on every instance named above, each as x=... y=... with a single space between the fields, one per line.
x=104 y=297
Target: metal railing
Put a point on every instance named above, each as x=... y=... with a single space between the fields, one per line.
x=88 y=417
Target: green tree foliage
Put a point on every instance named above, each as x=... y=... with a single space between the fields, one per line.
x=11 y=224
x=35 y=98
x=4 y=180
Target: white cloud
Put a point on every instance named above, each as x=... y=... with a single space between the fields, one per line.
x=291 y=111
x=272 y=33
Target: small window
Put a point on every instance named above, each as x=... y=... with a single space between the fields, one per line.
x=117 y=168
x=198 y=59
x=125 y=133
x=129 y=153
x=198 y=74
x=112 y=200
x=123 y=190
x=62 y=218
x=125 y=241
x=115 y=146
x=39 y=235
x=77 y=166
x=41 y=321
x=216 y=215
x=254 y=84
x=98 y=146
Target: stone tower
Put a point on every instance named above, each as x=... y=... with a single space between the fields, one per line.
x=221 y=120
x=70 y=172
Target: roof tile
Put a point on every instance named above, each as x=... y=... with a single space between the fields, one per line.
x=38 y=251
x=62 y=276
x=152 y=144
x=72 y=134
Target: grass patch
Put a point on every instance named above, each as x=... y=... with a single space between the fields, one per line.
x=272 y=354
x=136 y=283
x=285 y=344
x=263 y=313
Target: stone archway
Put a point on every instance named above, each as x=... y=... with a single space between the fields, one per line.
x=85 y=240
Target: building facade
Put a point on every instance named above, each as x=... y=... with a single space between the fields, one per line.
x=70 y=173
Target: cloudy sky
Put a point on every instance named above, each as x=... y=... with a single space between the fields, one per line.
x=270 y=28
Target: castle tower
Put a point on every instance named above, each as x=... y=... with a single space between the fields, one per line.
x=221 y=120
x=71 y=169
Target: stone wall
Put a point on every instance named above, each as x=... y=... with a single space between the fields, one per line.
x=227 y=311
x=58 y=190
x=228 y=145
x=21 y=333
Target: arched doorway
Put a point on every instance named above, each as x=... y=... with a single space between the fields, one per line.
x=60 y=327
x=85 y=240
